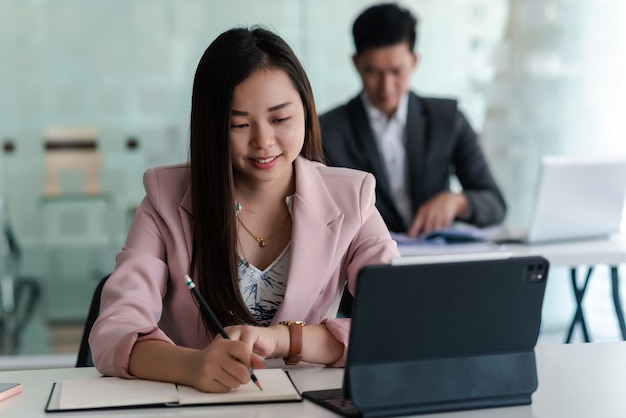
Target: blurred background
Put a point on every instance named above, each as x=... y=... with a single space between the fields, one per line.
x=111 y=80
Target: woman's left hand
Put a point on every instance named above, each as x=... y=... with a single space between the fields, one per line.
x=268 y=342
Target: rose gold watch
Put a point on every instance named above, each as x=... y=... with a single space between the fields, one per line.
x=295 y=342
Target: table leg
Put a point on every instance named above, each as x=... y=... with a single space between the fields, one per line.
x=579 y=293
x=617 y=302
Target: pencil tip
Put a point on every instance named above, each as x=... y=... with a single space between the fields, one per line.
x=255 y=380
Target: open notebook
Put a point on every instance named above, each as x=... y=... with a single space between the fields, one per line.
x=115 y=392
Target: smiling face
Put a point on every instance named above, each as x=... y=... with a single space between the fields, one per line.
x=386 y=74
x=267 y=128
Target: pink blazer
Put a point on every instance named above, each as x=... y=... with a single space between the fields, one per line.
x=336 y=231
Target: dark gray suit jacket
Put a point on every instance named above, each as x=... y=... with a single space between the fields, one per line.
x=440 y=142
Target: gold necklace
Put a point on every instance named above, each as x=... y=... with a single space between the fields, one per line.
x=263 y=241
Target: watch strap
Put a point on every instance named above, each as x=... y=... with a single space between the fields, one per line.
x=295 y=342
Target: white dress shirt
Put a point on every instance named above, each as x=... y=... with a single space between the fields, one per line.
x=390 y=135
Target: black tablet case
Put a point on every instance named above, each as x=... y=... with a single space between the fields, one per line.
x=449 y=336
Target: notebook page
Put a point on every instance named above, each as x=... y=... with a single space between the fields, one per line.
x=103 y=392
x=276 y=387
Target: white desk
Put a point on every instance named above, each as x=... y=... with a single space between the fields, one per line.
x=610 y=251
x=575 y=381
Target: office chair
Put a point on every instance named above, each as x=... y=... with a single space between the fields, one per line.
x=84 y=352
x=345 y=306
x=20 y=295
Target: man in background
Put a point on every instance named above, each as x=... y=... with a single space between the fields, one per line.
x=411 y=144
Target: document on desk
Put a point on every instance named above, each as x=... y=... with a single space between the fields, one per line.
x=463 y=242
x=115 y=392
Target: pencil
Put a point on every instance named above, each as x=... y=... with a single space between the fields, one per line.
x=216 y=323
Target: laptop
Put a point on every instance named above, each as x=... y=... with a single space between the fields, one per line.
x=441 y=337
x=576 y=198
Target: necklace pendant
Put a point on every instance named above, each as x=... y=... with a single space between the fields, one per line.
x=261 y=242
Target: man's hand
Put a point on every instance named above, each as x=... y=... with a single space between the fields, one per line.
x=439 y=213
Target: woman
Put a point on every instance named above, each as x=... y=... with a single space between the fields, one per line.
x=267 y=232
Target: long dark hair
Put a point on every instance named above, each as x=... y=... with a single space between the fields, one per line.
x=231 y=58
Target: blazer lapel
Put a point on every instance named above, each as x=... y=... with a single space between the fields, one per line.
x=316 y=227
x=316 y=230
x=415 y=148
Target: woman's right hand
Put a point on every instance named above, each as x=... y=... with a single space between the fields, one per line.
x=223 y=365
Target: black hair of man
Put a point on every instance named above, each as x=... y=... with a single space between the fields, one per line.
x=383 y=25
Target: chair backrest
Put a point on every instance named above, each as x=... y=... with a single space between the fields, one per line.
x=84 y=352
x=72 y=150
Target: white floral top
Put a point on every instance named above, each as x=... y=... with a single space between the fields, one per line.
x=264 y=291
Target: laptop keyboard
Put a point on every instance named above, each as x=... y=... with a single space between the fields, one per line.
x=334 y=400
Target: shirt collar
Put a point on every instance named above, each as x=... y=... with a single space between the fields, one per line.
x=399 y=116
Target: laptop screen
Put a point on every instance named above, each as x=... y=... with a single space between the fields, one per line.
x=578 y=198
